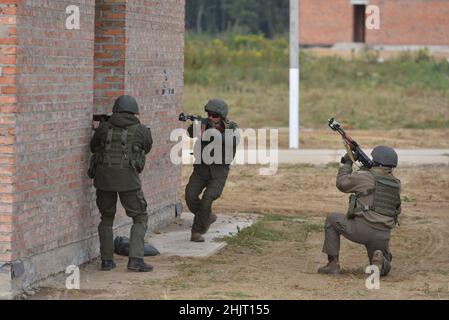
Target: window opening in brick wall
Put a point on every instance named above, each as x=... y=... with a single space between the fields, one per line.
x=359 y=23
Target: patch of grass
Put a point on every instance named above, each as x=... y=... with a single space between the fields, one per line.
x=278 y=217
x=313 y=228
x=334 y=165
x=407 y=199
x=251 y=74
x=444 y=272
x=180 y=286
x=429 y=124
x=217 y=261
x=437 y=291
x=273 y=228
x=237 y=295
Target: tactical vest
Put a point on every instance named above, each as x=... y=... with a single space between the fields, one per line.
x=119 y=151
x=386 y=198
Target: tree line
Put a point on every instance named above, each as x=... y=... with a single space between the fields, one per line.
x=267 y=17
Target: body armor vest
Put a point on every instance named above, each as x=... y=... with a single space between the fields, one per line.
x=386 y=198
x=118 y=148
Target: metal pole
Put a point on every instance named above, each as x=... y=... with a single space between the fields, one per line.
x=294 y=75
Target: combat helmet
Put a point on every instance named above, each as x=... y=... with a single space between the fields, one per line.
x=217 y=106
x=385 y=156
x=125 y=104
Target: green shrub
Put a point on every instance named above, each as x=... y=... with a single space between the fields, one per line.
x=251 y=72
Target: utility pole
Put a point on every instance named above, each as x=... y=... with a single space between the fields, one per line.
x=294 y=75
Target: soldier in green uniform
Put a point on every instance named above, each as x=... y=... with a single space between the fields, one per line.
x=119 y=147
x=210 y=177
x=373 y=211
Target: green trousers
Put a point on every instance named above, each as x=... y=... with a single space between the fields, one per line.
x=136 y=207
x=212 y=180
x=357 y=231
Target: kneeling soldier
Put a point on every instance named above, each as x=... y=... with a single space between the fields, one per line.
x=373 y=211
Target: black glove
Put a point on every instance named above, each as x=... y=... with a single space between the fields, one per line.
x=346 y=159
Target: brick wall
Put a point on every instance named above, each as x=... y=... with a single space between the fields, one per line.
x=154 y=58
x=411 y=22
x=110 y=44
x=325 y=22
x=8 y=106
x=52 y=81
x=53 y=197
x=403 y=22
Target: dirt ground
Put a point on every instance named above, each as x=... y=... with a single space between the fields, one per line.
x=397 y=138
x=277 y=258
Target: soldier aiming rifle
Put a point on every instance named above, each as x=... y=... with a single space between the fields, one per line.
x=374 y=205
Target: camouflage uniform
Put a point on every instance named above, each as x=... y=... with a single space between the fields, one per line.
x=209 y=177
x=363 y=223
x=119 y=147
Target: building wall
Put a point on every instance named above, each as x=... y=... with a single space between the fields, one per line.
x=53 y=205
x=110 y=47
x=8 y=107
x=52 y=81
x=402 y=22
x=411 y=22
x=325 y=22
x=153 y=74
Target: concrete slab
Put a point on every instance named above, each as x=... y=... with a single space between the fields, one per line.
x=174 y=240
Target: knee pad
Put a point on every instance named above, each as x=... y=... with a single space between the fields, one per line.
x=141 y=219
x=331 y=218
x=107 y=220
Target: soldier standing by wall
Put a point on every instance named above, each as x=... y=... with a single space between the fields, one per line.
x=209 y=177
x=373 y=211
x=119 y=147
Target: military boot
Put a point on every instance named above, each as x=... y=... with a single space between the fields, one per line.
x=137 y=264
x=332 y=267
x=381 y=262
x=197 y=237
x=107 y=265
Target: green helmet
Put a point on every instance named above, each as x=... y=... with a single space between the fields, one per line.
x=385 y=156
x=217 y=106
x=125 y=104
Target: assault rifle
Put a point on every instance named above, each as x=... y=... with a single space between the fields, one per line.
x=352 y=147
x=103 y=118
x=184 y=117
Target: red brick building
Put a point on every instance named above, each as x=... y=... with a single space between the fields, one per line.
x=52 y=79
x=402 y=22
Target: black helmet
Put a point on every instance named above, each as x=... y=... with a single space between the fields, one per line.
x=217 y=106
x=385 y=156
x=125 y=104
